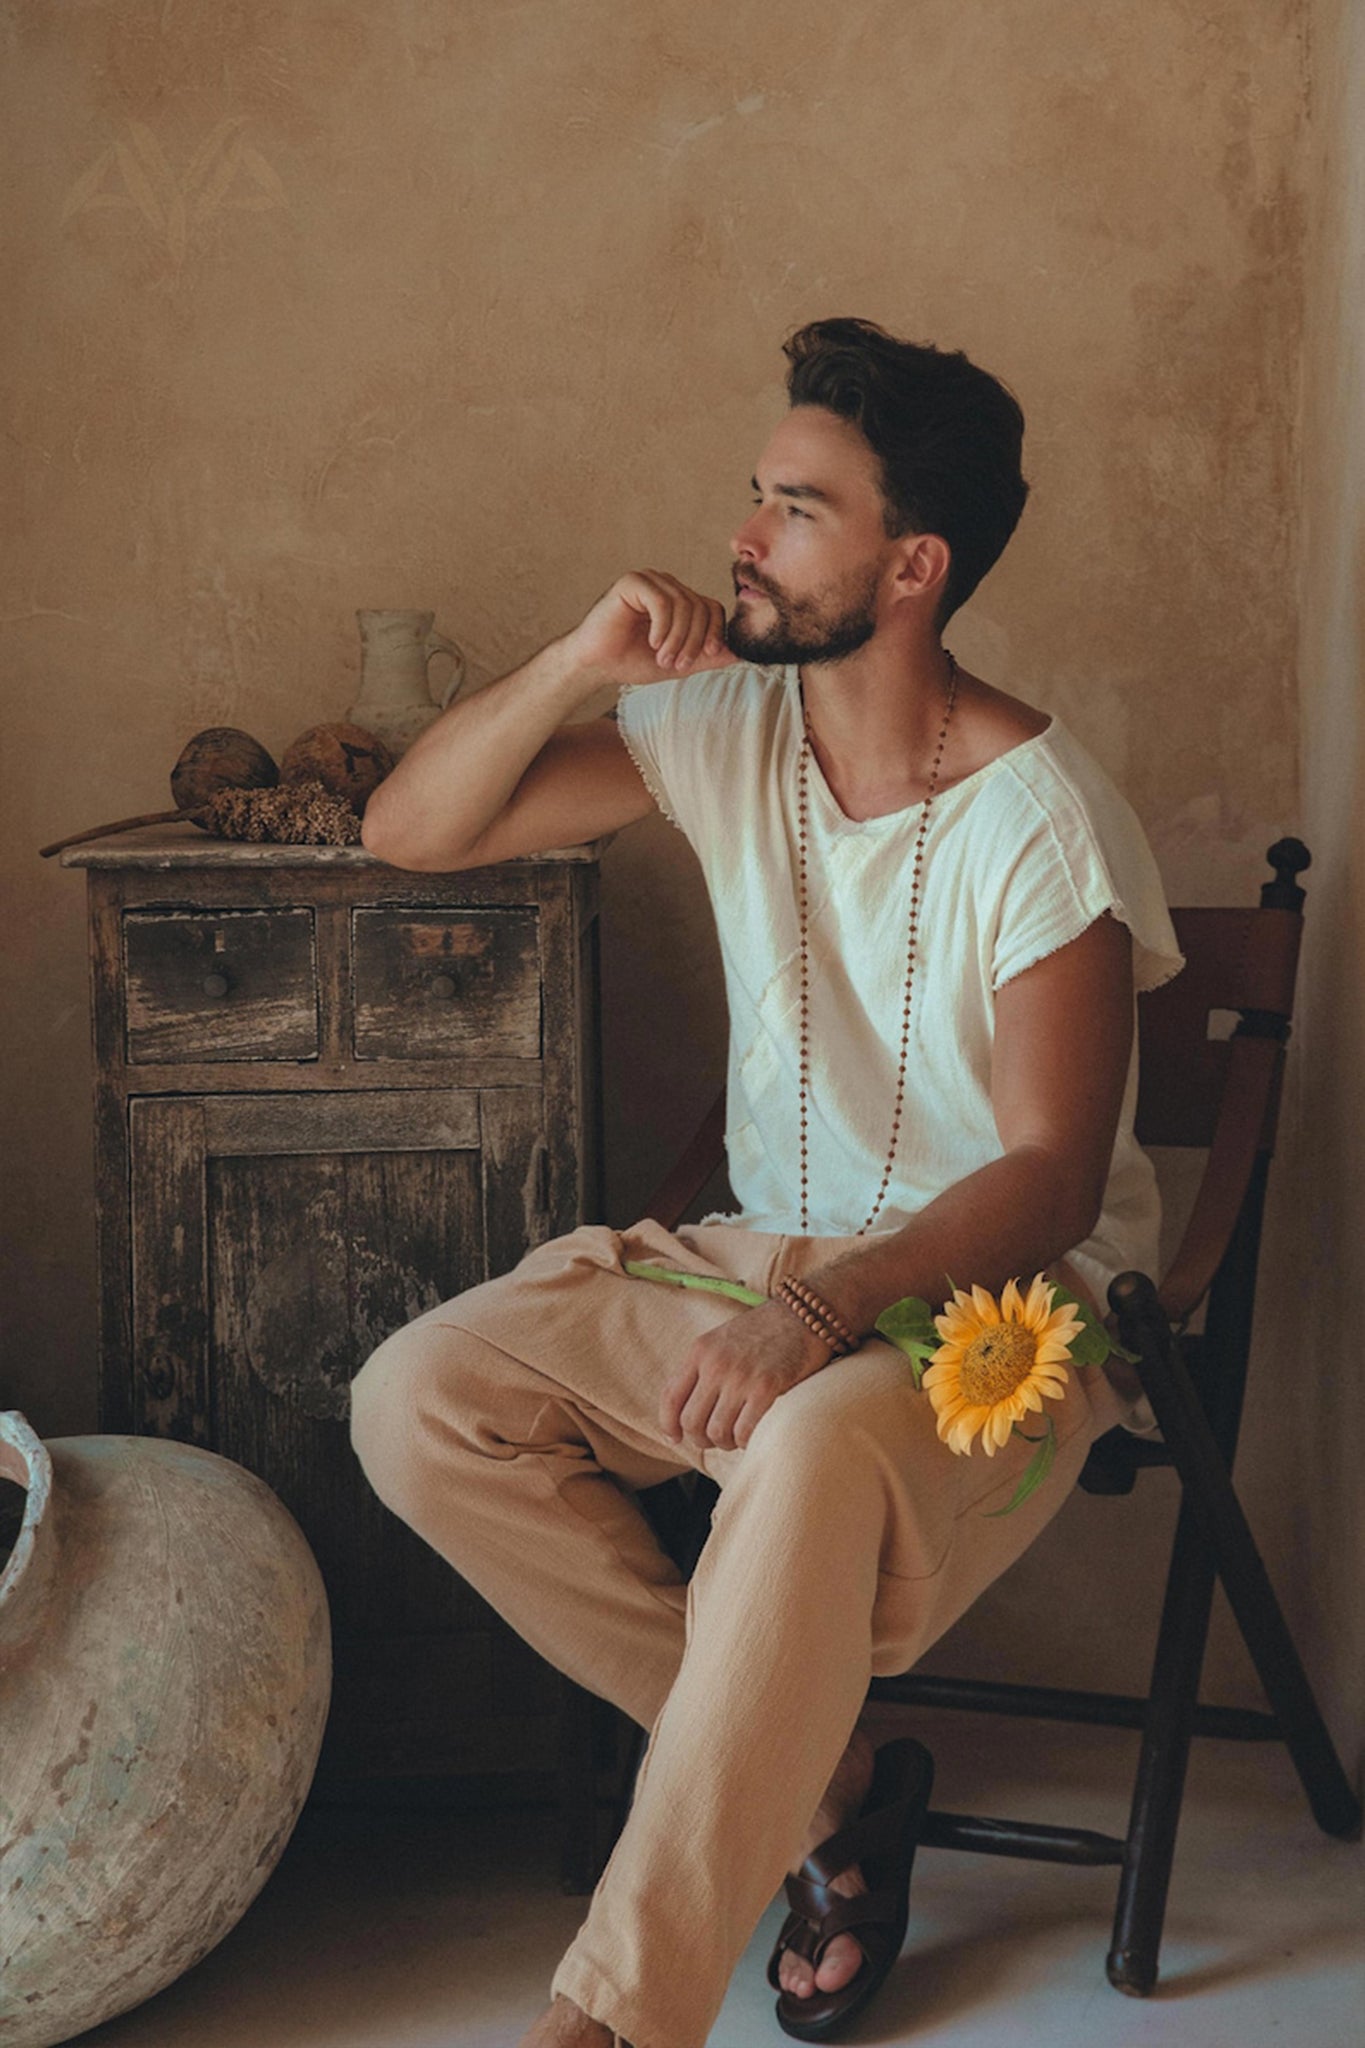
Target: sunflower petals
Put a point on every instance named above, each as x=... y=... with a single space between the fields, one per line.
x=986 y=1306
x=1027 y=1363
x=1039 y=1303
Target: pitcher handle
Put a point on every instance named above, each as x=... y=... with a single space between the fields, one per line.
x=437 y=643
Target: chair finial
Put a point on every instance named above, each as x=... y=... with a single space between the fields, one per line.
x=1288 y=857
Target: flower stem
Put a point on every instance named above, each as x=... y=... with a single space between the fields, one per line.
x=736 y=1292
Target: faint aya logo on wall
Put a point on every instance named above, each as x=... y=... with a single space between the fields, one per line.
x=224 y=175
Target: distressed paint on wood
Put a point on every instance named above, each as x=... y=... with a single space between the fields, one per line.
x=172 y=1396
x=516 y=1173
x=268 y=1224
x=186 y=846
x=427 y=986
x=238 y=985
x=396 y=1120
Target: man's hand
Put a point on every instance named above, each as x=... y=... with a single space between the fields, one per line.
x=646 y=626
x=733 y=1374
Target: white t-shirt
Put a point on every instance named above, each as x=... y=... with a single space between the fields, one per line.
x=1019 y=859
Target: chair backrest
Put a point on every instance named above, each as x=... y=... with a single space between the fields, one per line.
x=1197 y=1086
x=1204 y=1086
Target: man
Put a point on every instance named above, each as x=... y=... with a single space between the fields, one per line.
x=933 y=910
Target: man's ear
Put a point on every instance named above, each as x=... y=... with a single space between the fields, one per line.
x=923 y=569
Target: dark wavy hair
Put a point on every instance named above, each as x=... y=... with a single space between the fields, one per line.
x=948 y=437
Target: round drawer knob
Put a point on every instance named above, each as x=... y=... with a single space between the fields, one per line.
x=218 y=982
x=159 y=1378
x=444 y=986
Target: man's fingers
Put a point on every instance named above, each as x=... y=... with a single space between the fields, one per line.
x=696 y=1414
x=655 y=599
x=698 y=635
x=685 y=608
x=681 y=621
x=720 y=1429
x=649 y=620
x=749 y=1417
x=675 y=1396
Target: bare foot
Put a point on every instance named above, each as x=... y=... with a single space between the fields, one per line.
x=843 y=1799
x=566 y=2025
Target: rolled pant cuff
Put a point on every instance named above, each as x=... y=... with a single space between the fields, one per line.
x=601 y=2001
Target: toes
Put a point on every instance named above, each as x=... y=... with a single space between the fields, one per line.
x=796 y=1976
x=839 y=1964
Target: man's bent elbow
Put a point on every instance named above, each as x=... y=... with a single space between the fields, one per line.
x=379 y=837
x=379 y=834
x=1072 y=1201
x=1084 y=1211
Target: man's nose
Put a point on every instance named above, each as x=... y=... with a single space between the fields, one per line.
x=746 y=542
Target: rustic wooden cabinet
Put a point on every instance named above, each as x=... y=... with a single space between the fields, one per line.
x=329 y=1095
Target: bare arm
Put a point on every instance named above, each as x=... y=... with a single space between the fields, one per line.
x=1063 y=1035
x=501 y=773
x=1062 y=1043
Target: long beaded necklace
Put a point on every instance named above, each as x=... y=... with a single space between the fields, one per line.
x=803 y=923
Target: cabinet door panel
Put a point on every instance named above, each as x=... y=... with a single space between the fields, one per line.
x=263 y=1279
x=170 y=1393
x=313 y=1262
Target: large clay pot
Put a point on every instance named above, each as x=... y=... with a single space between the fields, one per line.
x=165 y=1668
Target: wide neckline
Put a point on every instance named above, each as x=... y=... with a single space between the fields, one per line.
x=891 y=818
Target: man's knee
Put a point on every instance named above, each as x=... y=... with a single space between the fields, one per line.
x=858 y=1409
x=856 y=1458
x=413 y=1373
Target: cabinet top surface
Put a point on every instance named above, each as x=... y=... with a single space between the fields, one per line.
x=186 y=846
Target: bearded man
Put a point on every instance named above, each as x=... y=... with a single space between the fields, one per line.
x=934 y=911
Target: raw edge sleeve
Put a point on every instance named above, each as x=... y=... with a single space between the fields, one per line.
x=641 y=725
x=1063 y=881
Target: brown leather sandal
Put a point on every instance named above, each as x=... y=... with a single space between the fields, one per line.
x=882 y=1840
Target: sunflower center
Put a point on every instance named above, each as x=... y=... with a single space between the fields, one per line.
x=996 y=1362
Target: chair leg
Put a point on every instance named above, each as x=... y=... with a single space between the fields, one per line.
x=1209 y=1491
x=1158 y=1788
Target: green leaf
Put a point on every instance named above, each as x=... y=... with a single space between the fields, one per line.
x=736 y=1292
x=1035 y=1472
x=1094 y=1344
x=909 y=1325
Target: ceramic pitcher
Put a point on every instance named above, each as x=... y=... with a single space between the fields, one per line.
x=396 y=650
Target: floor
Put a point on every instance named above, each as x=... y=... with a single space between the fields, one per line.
x=409 y=1931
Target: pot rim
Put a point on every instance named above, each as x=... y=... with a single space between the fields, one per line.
x=23 y=1459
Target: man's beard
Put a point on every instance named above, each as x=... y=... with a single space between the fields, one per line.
x=804 y=630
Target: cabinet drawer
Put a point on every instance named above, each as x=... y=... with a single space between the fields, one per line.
x=224 y=985
x=430 y=984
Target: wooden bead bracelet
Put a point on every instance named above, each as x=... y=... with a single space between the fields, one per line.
x=817 y=1315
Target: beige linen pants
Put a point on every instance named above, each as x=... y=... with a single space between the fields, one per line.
x=509 y=1426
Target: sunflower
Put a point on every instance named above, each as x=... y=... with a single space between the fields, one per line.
x=997 y=1361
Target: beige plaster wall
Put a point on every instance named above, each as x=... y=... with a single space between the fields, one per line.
x=474 y=306
x=1319 y=1245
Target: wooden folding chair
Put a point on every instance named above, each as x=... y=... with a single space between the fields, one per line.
x=1219 y=1094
